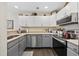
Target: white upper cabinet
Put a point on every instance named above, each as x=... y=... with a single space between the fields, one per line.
x=74 y=7
x=26 y=21
x=60 y=14
x=45 y=20
x=37 y=20
x=67 y=10
x=21 y=21
x=53 y=20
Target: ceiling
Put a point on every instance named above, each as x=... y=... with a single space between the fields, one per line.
x=31 y=6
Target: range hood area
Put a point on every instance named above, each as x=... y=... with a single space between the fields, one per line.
x=72 y=19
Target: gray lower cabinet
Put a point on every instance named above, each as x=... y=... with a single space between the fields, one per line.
x=16 y=47
x=22 y=45
x=34 y=41
x=13 y=51
x=47 y=41
x=31 y=41
x=72 y=49
x=71 y=53
x=39 y=41
x=24 y=42
x=20 y=48
x=28 y=41
x=33 y=38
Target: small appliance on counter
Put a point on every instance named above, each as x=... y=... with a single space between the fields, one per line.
x=66 y=35
x=60 y=32
x=69 y=35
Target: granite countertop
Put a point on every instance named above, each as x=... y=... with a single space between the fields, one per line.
x=73 y=41
x=22 y=34
x=76 y=42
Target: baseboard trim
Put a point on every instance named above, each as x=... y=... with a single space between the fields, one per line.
x=38 y=47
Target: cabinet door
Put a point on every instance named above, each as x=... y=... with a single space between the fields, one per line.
x=39 y=41
x=20 y=48
x=47 y=41
x=13 y=51
x=52 y=20
x=71 y=53
x=33 y=37
x=21 y=45
x=60 y=14
x=24 y=42
x=51 y=40
x=45 y=20
x=28 y=41
x=74 y=7
x=74 y=17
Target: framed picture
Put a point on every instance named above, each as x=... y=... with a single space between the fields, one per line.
x=10 y=24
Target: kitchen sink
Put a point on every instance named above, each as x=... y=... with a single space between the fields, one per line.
x=12 y=36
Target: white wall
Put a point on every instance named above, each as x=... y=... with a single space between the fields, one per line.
x=12 y=15
x=3 y=32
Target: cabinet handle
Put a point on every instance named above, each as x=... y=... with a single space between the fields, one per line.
x=75 y=49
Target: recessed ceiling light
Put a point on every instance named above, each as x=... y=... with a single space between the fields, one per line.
x=45 y=7
x=16 y=7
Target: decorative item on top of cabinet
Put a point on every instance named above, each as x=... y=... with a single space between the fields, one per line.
x=20 y=14
x=44 y=14
x=34 y=14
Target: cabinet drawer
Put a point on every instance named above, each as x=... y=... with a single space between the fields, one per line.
x=71 y=53
x=72 y=47
x=13 y=51
x=20 y=48
x=10 y=44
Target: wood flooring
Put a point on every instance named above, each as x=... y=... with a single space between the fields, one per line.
x=42 y=51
